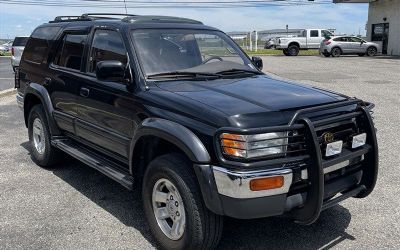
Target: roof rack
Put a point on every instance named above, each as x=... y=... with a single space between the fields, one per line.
x=91 y=17
x=125 y=18
x=160 y=19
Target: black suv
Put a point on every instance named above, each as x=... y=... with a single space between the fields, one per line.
x=177 y=110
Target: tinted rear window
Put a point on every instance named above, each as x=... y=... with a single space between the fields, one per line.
x=37 y=47
x=20 y=41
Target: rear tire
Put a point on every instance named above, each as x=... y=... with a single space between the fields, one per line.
x=42 y=152
x=326 y=54
x=293 y=50
x=336 y=52
x=202 y=229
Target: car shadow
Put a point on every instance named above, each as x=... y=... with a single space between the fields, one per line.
x=269 y=233
x=283 y=233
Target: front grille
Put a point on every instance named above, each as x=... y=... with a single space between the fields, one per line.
x=342 y=131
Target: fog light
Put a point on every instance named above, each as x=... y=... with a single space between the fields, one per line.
x=334 y=148
x=266 y=183
x=359 y=140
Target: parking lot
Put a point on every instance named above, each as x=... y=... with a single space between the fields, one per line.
x=6 y=74
x=74 y=207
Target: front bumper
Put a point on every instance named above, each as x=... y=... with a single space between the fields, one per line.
x=353 y=173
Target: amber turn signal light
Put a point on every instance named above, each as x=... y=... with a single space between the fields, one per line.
x=266 y=183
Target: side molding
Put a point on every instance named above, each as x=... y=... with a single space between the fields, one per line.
x=41 y=92
x=176 y=134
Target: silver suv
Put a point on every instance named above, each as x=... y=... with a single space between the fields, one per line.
x=17 y=49
x=339 y=45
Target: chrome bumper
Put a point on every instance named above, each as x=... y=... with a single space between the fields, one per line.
x=236 y=184
x=20 y=100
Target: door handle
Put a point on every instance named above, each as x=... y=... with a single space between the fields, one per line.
x=84 y=92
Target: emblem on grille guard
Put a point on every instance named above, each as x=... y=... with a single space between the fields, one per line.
x=328 y=137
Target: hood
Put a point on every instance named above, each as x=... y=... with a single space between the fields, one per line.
x=253 y=96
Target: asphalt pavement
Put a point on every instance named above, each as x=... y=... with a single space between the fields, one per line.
x=72 y=206
x=6 y=74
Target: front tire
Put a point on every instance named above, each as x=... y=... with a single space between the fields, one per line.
x=285 y=52
x=371 y=51
x=42 y=152
x=174 y=208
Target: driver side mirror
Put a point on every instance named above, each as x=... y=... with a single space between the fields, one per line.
x=110 y=71
x=257 y=61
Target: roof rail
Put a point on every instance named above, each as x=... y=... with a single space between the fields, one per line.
x=106 y=15
x=160 y=19
x=68 y=19
x=90 y=17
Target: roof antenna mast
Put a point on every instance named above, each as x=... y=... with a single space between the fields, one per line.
x=126 y=11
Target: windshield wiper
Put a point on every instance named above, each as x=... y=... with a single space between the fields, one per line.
x=184 y=74
x=238 y=72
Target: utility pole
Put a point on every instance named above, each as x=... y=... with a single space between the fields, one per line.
x=251 y=42
x=126 y=10
x=256 y=40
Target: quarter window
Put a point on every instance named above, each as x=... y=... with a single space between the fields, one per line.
x=37 y=47
x=107 y=45
x=70 y=52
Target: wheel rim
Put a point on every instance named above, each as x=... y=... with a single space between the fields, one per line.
x=293 y=51
x=38 y=136
x=336 y=52
x=371 y=51
x=168 y=209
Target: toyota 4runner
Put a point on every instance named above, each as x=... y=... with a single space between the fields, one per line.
x=177 y=110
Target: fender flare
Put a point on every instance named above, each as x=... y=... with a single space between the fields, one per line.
x=41 y=92
x=174 y=133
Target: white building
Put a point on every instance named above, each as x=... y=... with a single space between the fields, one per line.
x=383 y=24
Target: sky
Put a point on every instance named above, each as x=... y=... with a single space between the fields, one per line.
x=17 y=20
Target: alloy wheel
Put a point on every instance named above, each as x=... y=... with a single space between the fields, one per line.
x=168 y=209
x=38 y=136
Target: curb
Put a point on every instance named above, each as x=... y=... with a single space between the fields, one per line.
x=8 y=92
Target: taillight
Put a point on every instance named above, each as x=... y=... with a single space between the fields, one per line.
x=12 y=51
x=327 y=42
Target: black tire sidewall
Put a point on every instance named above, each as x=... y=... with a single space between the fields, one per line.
x=45 y=159
x=293 y=48
x=156 y=171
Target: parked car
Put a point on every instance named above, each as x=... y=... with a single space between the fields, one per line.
x=347 y=45
x=309 y=39
x=176 y=109
x=270 y=44
x=17 y=49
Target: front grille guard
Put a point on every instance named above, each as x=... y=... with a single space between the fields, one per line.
x=314 y=203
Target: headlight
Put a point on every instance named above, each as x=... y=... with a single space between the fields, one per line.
x=253 y=146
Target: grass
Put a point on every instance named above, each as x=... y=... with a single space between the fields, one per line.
x=5 y=53
x=265 y=52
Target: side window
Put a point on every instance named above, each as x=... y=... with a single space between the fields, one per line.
x=36 y=49
x=107 y=45
x=355 y=40
x=326 y=33
x=70 y=53
x=314 y=33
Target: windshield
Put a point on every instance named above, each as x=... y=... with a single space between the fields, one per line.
x=174 y=50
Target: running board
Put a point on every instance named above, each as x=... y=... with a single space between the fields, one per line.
x=94 y=160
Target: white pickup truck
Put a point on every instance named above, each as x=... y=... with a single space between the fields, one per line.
x=309 y=39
